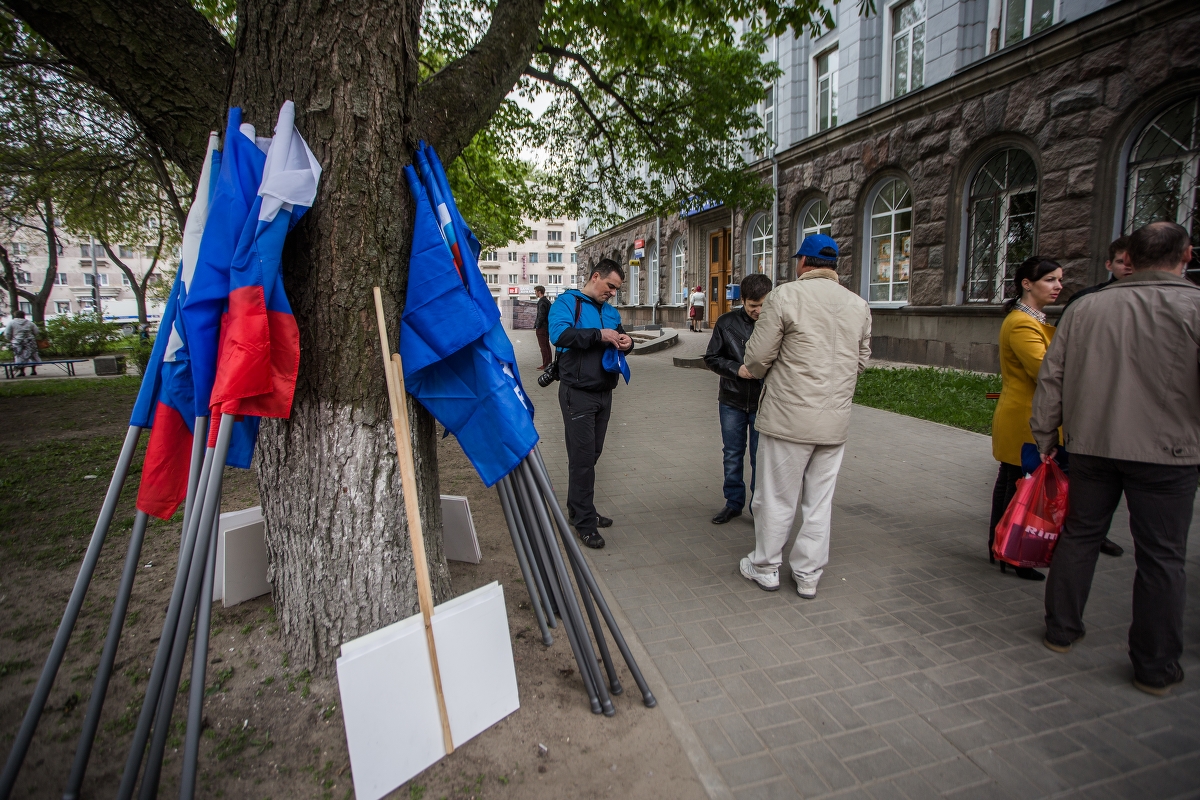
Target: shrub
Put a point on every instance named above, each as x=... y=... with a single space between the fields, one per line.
x=140 y=353
x=79 y=335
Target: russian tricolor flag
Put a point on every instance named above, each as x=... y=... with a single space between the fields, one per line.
x=260 y=344
x=166 y=402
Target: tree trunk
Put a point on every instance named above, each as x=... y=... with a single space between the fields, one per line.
x=39 y=300
x=10 y=281
x=340 y=559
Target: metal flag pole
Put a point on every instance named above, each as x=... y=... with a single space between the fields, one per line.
x=87 y=736
x=104 y=671
x=542 y=524
x=158 y=672
x=393 y=371
x=534 y=596
x=210 y=510
x=191 y=748
x=536 y=565
x=614 y=684
x=54 y=660
x=543 y=479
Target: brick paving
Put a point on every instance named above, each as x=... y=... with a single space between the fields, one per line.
x=919 y=670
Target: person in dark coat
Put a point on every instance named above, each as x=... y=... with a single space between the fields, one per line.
x=541 y=326
x=737 y=399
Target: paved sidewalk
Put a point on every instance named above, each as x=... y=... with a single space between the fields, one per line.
x=919 y=670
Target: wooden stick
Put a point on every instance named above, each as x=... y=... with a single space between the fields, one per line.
x=394 y=373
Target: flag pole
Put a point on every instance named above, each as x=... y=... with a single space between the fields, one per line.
x=394 y=375
x=535 y=589
x=54 y=660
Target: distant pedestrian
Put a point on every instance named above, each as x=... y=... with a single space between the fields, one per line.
x=737 y=399
x=23 y=335
x=696 y=309
x=811 y=342
x=1024 y=337
x=541 y=326
x=1122 y=378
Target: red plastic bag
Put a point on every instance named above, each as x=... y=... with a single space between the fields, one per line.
x=1029 y=530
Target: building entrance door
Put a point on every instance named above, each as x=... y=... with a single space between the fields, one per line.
x=719 y=268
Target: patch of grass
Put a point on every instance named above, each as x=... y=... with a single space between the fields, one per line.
x=125 y=723
x=219 y=681
x=13 y=667
x=329 y=711
x=120 y=387
x=232 y=743
x=246 y=629
x=948 y=396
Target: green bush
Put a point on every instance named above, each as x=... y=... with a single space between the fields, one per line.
x=79 y=336
x=140 y=353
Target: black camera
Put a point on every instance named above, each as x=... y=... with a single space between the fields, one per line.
x=549 y=376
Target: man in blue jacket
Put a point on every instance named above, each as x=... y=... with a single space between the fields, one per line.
x=583 y=326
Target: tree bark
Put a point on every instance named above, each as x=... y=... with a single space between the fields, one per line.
x=340 y=558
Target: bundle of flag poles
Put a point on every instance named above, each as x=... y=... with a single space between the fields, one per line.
x=458 y=362
x=228 y=347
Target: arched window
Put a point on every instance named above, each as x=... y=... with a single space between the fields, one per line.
x=679 y=289
x=890 y=255
x=1163 y=174
x=815 y=219
x=652 y=272
x=762 y=246
x=1002 y=223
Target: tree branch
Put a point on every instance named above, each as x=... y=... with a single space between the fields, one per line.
x=160 y=59
x=601 y=128
x=604 y=86
x=456 y=103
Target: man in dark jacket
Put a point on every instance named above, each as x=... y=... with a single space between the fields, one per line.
x=737 y=400
x=541 y=326
x=583 y=326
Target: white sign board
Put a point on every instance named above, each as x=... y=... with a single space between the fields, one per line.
x=459 y=541
x=241 y=570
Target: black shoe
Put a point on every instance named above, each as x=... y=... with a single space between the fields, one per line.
x=1061 y=647
x=1162 y=686
x=1111 y=548
x=726 y=514
x=1027 y=573
x=593 y=540
x=603 y=522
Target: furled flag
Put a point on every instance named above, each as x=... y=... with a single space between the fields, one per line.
x=165 y=402
x=259 y=353
x=458 y=361
x=206 y=286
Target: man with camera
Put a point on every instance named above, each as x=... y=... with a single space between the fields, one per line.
x=588 y=334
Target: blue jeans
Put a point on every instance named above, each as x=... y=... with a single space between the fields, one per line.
x=736 y=426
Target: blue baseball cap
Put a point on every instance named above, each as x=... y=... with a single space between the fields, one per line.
x=818 y=245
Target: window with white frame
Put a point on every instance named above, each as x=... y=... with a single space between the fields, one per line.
x=125 y=280
x=1162 y=176
x=762 y=246
x=533 y=235
x=513 y=278
x=62 y=307
x=908 y=47
x=512 y=256
x=533 y=279
x=635 y=293
x=18 y=249
x=652 y=272
x=533 y=258
x=574 y=258
x=574 y=280
x=827 y=87
x=100 y=278
x=554 y=280
x=24 y=277
x=816 y=219
x=553 y=236
x=889 y=225
x=60 y=278
x=489 y=255
x=1001 y=223
x=679 y=289
x=491 y=277
x=767 y=111
x=25 y=306
x=573 y=235
x=553 y=258
x=125 y=252
x=1023 y=18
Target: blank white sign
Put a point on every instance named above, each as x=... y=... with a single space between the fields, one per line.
x=241 y=572
x=459 y=541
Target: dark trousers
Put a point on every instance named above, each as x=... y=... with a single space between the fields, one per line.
x=543 y=337
x=737 y=427
x=585 y=422
x=1002 y=495
x=1160 y=501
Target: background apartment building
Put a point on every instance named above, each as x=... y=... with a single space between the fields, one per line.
x=941 y=142
x=547 y=258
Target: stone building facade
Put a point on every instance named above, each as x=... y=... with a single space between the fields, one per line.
x=1054 y=144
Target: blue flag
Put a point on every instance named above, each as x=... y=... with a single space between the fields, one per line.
x=458 y=361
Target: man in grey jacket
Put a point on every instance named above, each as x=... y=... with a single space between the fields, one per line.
x=1122 y=377
x=811 y=341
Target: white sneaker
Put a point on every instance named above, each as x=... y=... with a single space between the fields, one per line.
x=767 y=581
x=806 y=588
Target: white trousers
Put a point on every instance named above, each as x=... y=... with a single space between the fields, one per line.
x=794 y=477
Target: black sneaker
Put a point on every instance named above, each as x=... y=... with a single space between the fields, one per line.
x=593 y=540
x=1162 y=686
x=603 y=522
x=1111 y=548
x=725 y=514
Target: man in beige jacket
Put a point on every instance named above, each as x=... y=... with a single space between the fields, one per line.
x=812 y=339
x=1122 y=377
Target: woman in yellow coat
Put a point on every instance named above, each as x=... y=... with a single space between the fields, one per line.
x=1024 y=338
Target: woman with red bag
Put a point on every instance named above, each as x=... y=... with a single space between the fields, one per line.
x=1024 y=338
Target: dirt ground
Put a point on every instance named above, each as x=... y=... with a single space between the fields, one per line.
x=273 y=730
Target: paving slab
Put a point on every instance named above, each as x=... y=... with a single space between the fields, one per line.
x=918 y=670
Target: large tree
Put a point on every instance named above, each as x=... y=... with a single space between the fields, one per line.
x=653 y=101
